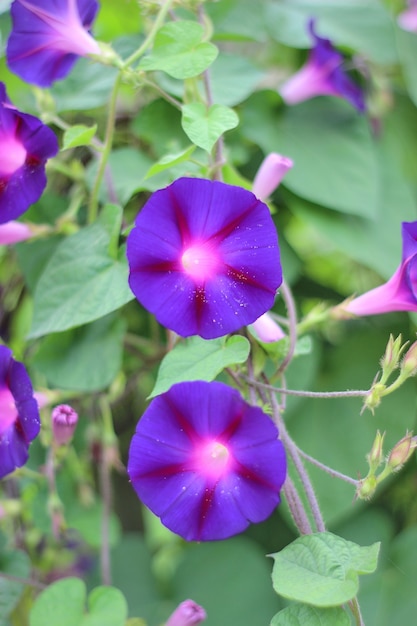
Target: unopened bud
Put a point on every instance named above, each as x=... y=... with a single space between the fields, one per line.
x=188 y=613
x=267 y=330
x=367 y=487
x=270 y=173
x=389 y=361
x=373 y=399
x=376 y=454
x=13 y=232
x=401 y=452
x=64 y=421
x=409 y=363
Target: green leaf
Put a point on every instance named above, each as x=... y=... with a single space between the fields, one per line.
x=322 y=569
x=80 y=283
x=198 y=359
x=107 y=607
x=331 y=145
x=302 y=615
x=179 y=50
x=169 y=160
x=78 y=135
x=15 y=563
x=233 y=79
x=205 y=125
x=61 y=603
x=83 y=359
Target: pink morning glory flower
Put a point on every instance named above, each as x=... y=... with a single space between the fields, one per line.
x=188 y=613
x=25 y=145
x=270 y=173
x=399 y=293
x=204 y=257
x=206 y=462
x=323 y=74
x=47 y=38
x=19 y=413
x=64 y=423
x=408 y=18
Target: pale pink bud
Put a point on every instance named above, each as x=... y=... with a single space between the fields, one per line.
x=409 y=364
x=401 y=452
x=13 y=232
x=267 y=330
x=271 y=172
x=64 y=421
x=188 y=613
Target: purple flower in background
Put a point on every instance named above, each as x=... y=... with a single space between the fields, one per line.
x=206 y=462
x=408 y=18
x=188 y=613
x=400 y=292
x=47 y=38
x=323 y=74
x=19 y=413
x=204 y=257
x=25 y=145
x=270 y=173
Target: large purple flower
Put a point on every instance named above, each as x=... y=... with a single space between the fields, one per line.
x=19 y=413
x=400 y=292
x=48 y=36
x=204 y=257
x=323 y=74
x=25 y=145
x=206 y=462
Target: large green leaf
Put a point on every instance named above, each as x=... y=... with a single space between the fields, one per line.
x=331 y=145
x=205 y=125
x=107 y=607
x=198 y=359
x=301 y=615
x=81 y=282
x=15 y=563
x=322 y=569
x=179 y=50
x=61 y=603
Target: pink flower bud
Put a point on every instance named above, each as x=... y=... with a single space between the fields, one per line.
x=188 y=613
x=267 y=330
x=64 y=421
x=401 y=452
x=409 y=363
x=270 y=174
x=13 y=232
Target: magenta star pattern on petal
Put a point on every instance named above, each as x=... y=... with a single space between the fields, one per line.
x=206 y=462
x=399 y=293
x=204 y=257
x=47 y=38
x=25 y=145
x=19 y=413
x=323 y=74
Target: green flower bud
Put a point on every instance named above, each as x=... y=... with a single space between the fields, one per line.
x=367 y=487
x=375 y=457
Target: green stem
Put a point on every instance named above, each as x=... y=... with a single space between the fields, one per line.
x=108 y=142
x=149 y=39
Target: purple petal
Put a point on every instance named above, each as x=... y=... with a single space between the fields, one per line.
x=46 y=41
x=409 y=239
x=14 y=451
x=204 y=257
x=173 y=476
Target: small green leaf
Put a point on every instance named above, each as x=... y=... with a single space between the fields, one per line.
x=107 y=607
x=301 y=615
x=322 y=569
x=61 y=603
x=169 y=160
x=15 y=563
x=179 y=50
x=198 y=359
x=78 y=135
x=205 y=125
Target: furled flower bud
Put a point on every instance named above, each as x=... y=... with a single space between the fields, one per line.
x=375 y=457
x=389 y=361
x=267 y=330
x=271 y=172
x=401 y=452
x=188 y=613
x=64 y=421
x=409 y=363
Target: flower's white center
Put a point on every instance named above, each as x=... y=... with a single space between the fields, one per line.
x=200 y=261
x=8 y=411
x=12 y=155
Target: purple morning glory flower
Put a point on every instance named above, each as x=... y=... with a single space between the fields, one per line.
x=47 y=38
x=400 y=292
x=19 y=413
x=323 y=74
x=204 y=257
x=408 y=18
x=25 y=145
x=206 y=462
